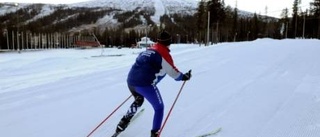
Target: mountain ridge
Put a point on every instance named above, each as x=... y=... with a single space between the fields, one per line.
x=142 y=10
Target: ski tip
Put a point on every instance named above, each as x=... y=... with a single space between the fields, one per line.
x=213 y=132
x=115 y=134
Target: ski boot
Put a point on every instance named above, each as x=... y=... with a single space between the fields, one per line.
x=154 y=133
x=124 y=122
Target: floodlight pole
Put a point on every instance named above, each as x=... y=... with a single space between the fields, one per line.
x=304 y=24
x=208 y=25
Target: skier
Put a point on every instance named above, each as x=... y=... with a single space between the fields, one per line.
x=149 y=68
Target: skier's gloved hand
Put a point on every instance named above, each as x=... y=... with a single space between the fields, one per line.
x=186 y=76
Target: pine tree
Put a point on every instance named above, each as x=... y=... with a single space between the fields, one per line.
x=217 y=15
x=315 y=7
x=316 y=14
x=256 y=24
x=295 y=18
x=217 y=12
x=201 y=19
x=235 y=23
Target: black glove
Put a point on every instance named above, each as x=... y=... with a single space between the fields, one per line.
x=186 y=76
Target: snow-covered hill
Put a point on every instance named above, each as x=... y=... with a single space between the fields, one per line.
x=263 y=88
x=171 y=5
x=158 y=7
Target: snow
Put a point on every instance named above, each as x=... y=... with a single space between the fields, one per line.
x=262 y=88
x=118 y=4
x=160 y=11
x=107 y=20
x=8 y=7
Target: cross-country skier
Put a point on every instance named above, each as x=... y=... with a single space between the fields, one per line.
x=149 y=68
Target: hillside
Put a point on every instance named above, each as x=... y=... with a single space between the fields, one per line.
x=93 y=14
x=263 y=88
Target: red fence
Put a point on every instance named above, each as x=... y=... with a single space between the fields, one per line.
x=86 y=44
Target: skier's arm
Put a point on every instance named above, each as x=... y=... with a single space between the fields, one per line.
x=170 y=69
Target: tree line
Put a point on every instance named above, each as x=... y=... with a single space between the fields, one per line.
x=227 y=25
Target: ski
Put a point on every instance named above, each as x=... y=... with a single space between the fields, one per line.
x=135 y=117
x=213 y=132
x=116 y=134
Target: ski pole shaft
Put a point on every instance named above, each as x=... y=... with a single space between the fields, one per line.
x=108 y=116
x=169 y=113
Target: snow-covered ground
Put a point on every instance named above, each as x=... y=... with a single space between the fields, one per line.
x=263 y=88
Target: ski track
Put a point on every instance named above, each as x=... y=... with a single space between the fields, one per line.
x=264 y=88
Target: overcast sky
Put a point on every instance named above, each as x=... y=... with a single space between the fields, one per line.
x=274 y=6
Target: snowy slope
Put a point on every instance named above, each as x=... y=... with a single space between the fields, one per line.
x=132 y=4
x=45 y=11
x=10 y=7
x=160 y=7
x=263 y=88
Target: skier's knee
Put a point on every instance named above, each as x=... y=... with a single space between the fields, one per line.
x=159 y=107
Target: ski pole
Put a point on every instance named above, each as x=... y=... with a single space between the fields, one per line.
x=169 y=113
x=109 y=116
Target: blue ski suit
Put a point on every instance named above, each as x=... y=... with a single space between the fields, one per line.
x=150 y=67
